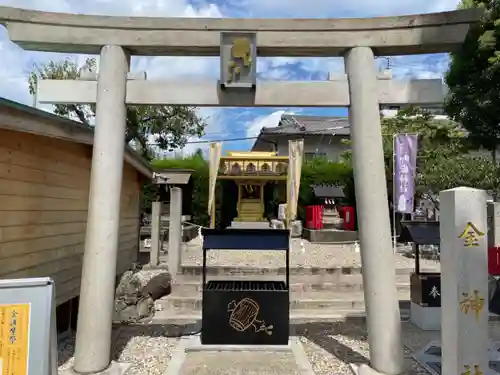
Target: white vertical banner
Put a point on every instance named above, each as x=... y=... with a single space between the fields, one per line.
x=213 y=163
x=289 y=179
x=297 y=166
x=293 y=177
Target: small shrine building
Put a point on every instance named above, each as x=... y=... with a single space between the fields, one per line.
x=251 y=171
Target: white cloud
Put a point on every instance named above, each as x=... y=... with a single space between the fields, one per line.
x=352 y=8
x=269 y=121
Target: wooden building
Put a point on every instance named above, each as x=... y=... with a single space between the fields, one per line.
x=45 y=163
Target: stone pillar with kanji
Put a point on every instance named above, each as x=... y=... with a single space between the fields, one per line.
x=464 y=281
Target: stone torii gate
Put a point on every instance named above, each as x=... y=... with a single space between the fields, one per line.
x=115 y=39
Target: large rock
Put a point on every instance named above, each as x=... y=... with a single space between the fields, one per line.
x=136 y=292
x=159 y=286
x=129 y=288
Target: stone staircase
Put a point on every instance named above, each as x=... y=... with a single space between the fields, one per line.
x=317 y=294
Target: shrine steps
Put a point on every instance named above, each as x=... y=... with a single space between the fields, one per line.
x=184 y=317
x=324 y=273
x=317 y=294
x=316 y=300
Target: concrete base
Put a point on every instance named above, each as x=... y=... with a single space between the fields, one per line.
x=197 y=346
x=363 y=369
x=430 y=358
x=425 y=318
x=192 y=344
x=115 y=368
x=329 y=235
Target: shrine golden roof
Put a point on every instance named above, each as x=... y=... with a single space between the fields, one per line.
x=253 y=164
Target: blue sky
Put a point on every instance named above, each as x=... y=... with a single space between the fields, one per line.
x=224 y=123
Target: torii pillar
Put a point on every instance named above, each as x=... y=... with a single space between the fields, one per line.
x=379 y=279
x=101 y=241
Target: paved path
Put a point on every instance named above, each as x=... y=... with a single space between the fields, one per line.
x=249 y=363
x=192 y=358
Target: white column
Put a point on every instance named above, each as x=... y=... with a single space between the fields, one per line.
x=175 y=231
x=379 y=280
x=93 y=339
x=156 y=242
x=464 y=281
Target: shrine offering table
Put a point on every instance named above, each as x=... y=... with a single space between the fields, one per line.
x=245 y=312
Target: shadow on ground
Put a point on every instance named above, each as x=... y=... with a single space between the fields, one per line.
x=325 y=335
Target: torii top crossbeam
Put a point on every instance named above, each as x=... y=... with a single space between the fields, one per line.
x=402 y=35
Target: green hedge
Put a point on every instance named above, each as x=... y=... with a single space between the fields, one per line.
x=315 y=171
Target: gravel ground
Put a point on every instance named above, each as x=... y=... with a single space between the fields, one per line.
x=311 y=255
x=147 y=348
x=330 y=347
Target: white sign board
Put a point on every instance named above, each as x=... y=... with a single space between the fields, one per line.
x=28 y=336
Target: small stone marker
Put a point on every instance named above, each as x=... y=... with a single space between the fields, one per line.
x=464 y=282
x=175 y=231
x=156 y=242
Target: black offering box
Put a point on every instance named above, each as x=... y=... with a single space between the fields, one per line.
x=244 y=312
x=425 y=286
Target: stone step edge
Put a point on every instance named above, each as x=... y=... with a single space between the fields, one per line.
x=328 y=285
x=194 y=304
x=294 y=270
x=347 y=279
x=405 y=299
x=295 y=316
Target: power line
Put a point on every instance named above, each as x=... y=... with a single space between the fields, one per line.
x=309 y=132
x=223 y=140
x=213 y=140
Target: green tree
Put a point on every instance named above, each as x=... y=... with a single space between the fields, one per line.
x=170 y=126
x=446 y=157
x=474 y=78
